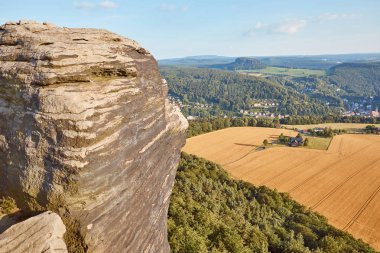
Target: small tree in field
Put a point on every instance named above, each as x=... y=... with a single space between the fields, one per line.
x=281 y=138
x=265 y=142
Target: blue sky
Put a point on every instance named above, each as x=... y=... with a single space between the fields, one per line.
x=174 y=28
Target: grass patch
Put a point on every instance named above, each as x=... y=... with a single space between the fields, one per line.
x=321 y=143
x=313 y=142
x=285 y=71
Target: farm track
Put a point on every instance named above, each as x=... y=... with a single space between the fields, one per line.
x=253 y=170
x=342 y=183
x=286 y=171
x=327 y=167
x=362 y=209
x=250 y=152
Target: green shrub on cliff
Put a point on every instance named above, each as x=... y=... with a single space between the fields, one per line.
x=7 y=205
x=210 y=212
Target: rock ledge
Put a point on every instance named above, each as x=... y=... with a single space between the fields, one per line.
x=42 y=233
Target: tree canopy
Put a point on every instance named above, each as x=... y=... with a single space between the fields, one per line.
x=210 y=212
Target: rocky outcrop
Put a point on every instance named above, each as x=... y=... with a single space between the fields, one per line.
x=86 y=130
x=42 y=233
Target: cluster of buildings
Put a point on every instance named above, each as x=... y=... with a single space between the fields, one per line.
x=265 y=104
x=262 y=114
x=177 y=101
x=368 y=112
x=361 y=107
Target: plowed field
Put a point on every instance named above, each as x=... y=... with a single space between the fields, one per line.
x=342 y=183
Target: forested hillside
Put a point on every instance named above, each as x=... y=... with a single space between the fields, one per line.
x=232 y=91
x=361 y=79
x=210 y=212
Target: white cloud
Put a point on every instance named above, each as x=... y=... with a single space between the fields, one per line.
x=168 y=7
x=87 y=5
x=253 y=32
x=334 y=16
x=184 y=8
x=286 y=27
x=290 y=27
x=84 y=5
x=259 y=25
x=293 y=26
x=173 y=8
x=107 y=4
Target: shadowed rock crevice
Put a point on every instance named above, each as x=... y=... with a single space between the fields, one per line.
x=86 y=130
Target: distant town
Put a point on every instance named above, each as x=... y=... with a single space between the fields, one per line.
x=261 y=109
x=361 y=108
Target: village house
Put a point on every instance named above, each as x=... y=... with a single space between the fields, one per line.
x=296 y=141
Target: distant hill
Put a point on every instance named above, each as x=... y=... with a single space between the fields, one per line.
x=306 y=62
x=241 y=63
x=197 y=61
x=362 y=79
x=299 y=62
x=317 y=61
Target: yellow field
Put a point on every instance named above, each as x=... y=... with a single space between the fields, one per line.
x=342 y=183
x=347 y=126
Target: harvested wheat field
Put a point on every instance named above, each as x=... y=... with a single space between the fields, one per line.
x=346 y=126
x=342 y=183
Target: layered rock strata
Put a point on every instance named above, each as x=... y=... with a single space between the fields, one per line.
x=86 y=130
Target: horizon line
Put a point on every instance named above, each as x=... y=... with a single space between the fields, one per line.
x=255 y=56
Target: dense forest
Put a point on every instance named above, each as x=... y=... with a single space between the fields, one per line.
x=360 y=79
x=353 y=82
x=319 y=88
x=230 y=91
x=210 y=212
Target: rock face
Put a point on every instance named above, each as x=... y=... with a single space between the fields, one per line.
x=42 y=233
x=86 y=130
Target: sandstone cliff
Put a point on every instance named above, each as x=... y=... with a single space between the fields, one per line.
x=42 y=233
x=86 y=130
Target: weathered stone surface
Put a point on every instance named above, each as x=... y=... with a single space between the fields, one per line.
x=86 y=130
x=42 y=233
